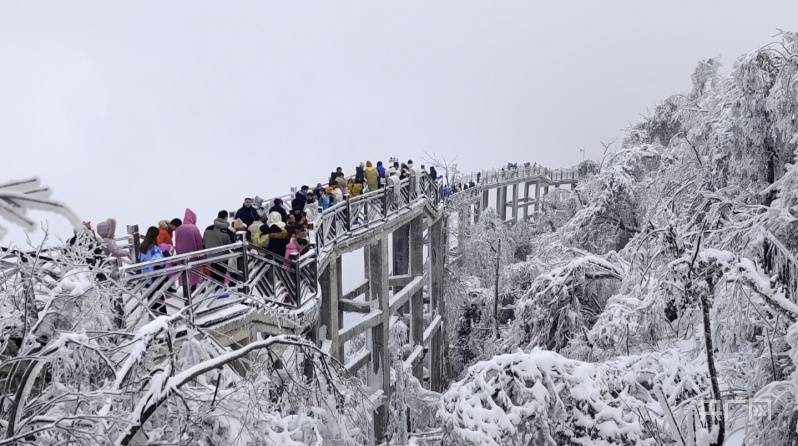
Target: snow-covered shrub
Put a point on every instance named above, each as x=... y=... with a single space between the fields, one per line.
x=543 y=398
x=610 y=216
x=563 y=303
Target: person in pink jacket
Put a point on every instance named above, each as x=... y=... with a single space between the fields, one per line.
x=188 y=239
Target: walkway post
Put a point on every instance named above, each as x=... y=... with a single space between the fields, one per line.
x=135 y=241
x=485 y=199
x=417 y=299
x=537 y=196
x=515 y=202
x=380 y=371
x=526 y=200
x=348 y=213
x=329 y=306
x=241 y=236
x=400 y=240
x=501 y=203
x=437 y=253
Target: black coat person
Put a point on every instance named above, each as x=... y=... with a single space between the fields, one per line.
x=247 y=213
x=300 y=199
x=278 y=207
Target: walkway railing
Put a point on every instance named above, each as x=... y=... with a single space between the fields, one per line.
x=490 y=178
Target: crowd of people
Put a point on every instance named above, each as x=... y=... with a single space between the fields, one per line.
x=283 y=229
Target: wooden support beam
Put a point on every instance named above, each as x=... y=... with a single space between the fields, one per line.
x=359 y=290
x=371 y=320
x=357 y=361
x=403 y=296
x=354 y=306
x=397 y=282
x=432 y=329
x=414 y=360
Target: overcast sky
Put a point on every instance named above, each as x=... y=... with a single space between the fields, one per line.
x=139 y=110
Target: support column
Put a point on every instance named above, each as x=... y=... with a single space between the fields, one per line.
x=537 y=196
x=485 y=199
x=515 y=202
x=380 y=371
x=330 y=294
x=437 y=254
x=417 y=299
x=499 y=202
x=400 y=240
x=545 y=193
x=526 y=200
x=462 y=224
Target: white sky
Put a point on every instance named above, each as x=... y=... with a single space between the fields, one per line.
x=139 y=110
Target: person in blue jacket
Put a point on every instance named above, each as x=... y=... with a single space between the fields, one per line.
x=148 y=249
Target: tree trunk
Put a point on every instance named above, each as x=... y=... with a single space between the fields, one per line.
x=713 y=372
x=496 y=289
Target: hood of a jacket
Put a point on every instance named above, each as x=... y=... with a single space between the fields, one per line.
x=107 y=228
x=190 y=217
x=220 y=223
x=275 y=219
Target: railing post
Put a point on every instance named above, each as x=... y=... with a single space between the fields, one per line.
x=348 y=213
x=366 y=212
x=294 y=260
x=187 y=290
x=385 y=202
x=242 y=237
x=135 y=240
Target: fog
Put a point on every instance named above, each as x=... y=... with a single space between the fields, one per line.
x=139 y=110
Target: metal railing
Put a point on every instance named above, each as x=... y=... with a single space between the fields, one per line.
x=487 y=179
x=354 y=214
x=225 y=281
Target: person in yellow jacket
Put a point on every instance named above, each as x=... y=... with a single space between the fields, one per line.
x=372 y=177
x=354 y=188
x=257 y=237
